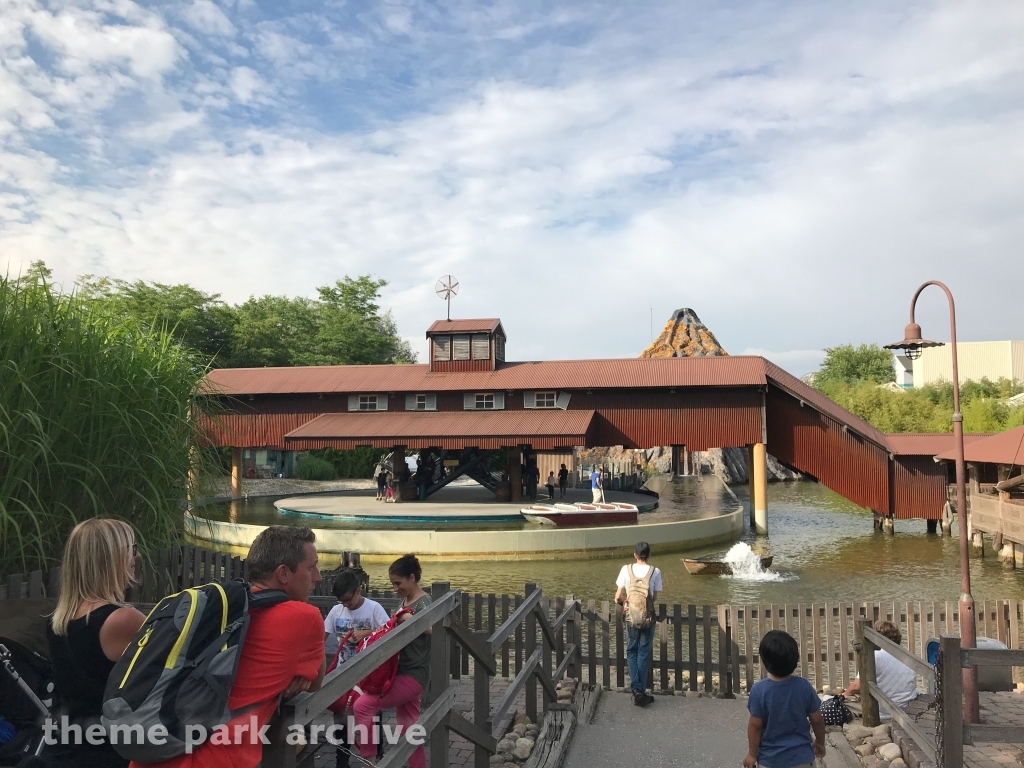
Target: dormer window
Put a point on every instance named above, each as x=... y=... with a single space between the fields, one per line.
x=368 y=402
x=443 y=348
x=481 y=346
x=424 y=402
x=484 y=401
x=460 y=347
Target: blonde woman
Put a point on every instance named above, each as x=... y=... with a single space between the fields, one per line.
x=90 y=629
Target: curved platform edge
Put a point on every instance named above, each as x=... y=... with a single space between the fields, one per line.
x=539 y=544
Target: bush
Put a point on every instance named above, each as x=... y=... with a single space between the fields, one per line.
x=97 y=417
x=315 y=468
x=358 y=462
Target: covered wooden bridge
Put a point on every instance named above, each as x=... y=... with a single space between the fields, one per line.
x=468 y=396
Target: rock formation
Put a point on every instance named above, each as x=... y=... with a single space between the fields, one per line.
x=685 y=336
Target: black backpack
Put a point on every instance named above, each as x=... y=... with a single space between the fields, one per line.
x=180 y=666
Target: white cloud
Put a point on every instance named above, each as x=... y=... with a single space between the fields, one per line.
x=790 y=174
x=205 y=16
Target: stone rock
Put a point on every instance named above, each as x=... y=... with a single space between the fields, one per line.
x=500 y=758
x=693 y=694
x=564 y=694
x=873 y=761
x=864 y=750
x=525 y=743
x=854 y=731
x=880 y=729
x=879 y=740
x=889 y=752
x=898 y=763
x=519 y=729
x=506 y=745
x=522 y=720
x=521 y=753
x=532 y=731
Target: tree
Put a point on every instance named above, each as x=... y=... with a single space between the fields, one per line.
x=849 y=365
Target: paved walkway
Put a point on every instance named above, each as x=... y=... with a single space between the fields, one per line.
x=673 y=731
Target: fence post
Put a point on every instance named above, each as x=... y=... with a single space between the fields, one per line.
x=952 y=703
x=529 y=646
x=866 y=667
x=571 y=630
x=440 y=677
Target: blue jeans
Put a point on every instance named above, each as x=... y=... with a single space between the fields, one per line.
x=638 y=657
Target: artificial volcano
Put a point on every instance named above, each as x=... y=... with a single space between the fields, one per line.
x=685 y=336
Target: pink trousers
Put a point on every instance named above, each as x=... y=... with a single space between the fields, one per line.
x=404 y=696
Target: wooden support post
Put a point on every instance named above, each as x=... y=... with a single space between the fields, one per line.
x=481 y=706
x=440 y=679
x=397 y=470
x=866 y=668
x=952 y=702
x=236 y=473
x=677 y=468
x=529 y=646
x=515 y=475
x=759 y=500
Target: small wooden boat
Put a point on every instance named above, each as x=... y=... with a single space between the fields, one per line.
x=575 y=515
x=716 y=567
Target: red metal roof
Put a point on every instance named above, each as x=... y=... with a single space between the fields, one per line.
x=736 y=371
x=926 y=443
x=479 y=325
x=1004 y=448
x=448 y=429
x=808 y=394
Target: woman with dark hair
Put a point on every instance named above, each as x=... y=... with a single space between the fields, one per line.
x=413 y=667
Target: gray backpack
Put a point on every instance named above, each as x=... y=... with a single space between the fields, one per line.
x=179 y=668
x=640 y=604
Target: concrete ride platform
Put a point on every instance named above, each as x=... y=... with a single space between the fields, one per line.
x=471 y=539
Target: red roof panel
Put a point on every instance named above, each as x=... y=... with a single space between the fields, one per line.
x=479 y=325
x=926 y=443
x=1004 y=448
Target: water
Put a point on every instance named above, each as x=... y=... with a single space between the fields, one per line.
x=747 y=565
x=823 y=546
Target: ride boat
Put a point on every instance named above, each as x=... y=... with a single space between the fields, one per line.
x=574 y=515
x=716 y=567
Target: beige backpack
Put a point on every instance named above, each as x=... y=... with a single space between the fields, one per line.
x=640 y=604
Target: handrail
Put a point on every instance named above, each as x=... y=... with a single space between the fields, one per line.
x=504 y=632
x=343 y=679
x=881 y=642
x=991 y=657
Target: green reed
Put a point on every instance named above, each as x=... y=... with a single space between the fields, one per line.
x=96 y=418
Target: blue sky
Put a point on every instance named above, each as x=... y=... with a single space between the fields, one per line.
x=792 y=171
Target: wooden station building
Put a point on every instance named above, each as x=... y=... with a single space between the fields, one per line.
x=469 y=396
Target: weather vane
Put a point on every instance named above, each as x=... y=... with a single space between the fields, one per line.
x=447 y=287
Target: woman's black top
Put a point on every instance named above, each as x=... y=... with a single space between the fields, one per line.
x=80 y=668
x=80 y=672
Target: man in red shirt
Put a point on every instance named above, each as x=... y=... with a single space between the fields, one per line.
x=283 y=651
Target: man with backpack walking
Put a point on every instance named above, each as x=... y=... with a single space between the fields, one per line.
x=637 y=586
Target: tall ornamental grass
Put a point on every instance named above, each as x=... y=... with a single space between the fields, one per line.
x=96 y=418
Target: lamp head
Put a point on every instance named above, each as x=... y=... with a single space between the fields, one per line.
x=912 y=342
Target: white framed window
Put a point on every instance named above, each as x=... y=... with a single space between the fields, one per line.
x=546 y=400
x=460 y=347
x=421 y=402
x=499 y=348
x=442 y=347
x=481 y=346
x=483 y=401
x=368 y=402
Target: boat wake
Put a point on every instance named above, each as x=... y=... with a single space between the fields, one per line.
x=746 y=566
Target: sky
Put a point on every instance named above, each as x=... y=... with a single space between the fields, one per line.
x=792 y=171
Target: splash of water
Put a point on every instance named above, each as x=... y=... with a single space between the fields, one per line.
x=746 y=565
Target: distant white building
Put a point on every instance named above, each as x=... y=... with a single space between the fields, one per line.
x=975 y=360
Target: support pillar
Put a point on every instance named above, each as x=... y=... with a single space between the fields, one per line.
x=759 y=481
x=398 y=470
x=676 y=467
x=515 y=474
x=236 y=473
x=888 y=526
x=1018 y=556
x=933 y=525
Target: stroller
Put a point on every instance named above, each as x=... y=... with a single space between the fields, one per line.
x=26 y=687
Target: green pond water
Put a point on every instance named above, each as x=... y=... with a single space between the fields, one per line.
x=824 y=549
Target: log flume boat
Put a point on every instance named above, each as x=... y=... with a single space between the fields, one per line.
x=575 y=515
x=716 y=567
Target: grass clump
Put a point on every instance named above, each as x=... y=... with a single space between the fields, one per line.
x=315 y=468
x=97 y=417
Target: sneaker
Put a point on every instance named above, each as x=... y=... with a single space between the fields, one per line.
x=640 y=699
x=649 y=699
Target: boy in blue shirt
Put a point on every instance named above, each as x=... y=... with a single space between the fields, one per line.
x=780 y=707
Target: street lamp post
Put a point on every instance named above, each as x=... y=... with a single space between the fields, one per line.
x=913 y=344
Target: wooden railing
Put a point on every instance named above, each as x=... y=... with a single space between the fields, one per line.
x=992 y=514
x=867 y=641
x=550 y=650
x=952 y=731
